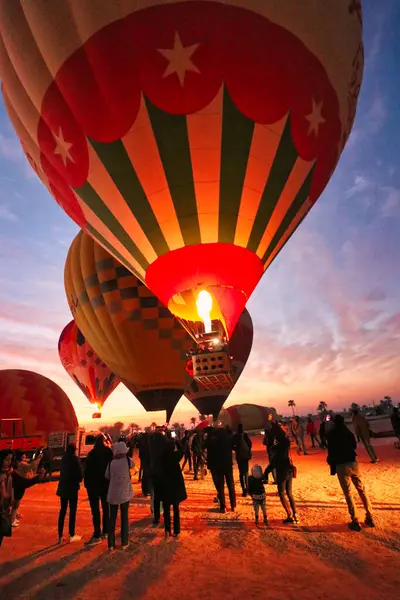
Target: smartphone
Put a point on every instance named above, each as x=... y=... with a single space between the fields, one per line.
x=173 y=434
x=328 y=418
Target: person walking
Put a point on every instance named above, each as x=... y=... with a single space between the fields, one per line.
x=241 y=444
x=343 y=463
x=219 y=458
x=257 y=493
x=298 y=434
x=197 y=447
x=186 y=451
x=96 y=485
x=361 y=430
x=172 y=485
x=67 y=490
x=312 y=432
x=322 y=434
x=285 y=472
x=119 y=494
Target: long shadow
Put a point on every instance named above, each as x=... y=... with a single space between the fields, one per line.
x=68 y=586
x=233 y=534
x=19 y=563
x=33 y=577
x=273 y=540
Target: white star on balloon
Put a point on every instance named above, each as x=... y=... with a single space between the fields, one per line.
x=315 y=118
x=179 y=58
x=62 y=147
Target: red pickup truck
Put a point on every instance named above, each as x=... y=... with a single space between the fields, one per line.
x=13 y=437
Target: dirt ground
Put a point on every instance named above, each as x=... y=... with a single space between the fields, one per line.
x=220 y=556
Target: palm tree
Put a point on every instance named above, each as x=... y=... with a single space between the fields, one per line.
x=322 y=406
x=292 y=405
x=193 y=422
x=153 y=425
x=134 y=427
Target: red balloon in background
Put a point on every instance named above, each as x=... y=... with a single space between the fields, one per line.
x=83 y=365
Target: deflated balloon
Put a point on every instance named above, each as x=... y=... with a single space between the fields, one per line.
x=210 y=401
x=125 y=324
x=251 y=416
x=94 y=378
x=193 y=150
x=41 y=403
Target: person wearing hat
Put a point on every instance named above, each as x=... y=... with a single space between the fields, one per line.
x=120 y=492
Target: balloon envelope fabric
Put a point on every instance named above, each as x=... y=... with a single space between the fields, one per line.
x=93 y=377
x=194 y=149
x=125 y=324
x=41 y=403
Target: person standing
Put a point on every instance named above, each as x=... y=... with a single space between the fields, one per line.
x=312 y=432
x=97 y=485
x=241 y=444
x=67 y=490
x=322 y=434
x=6 y=493
x=395 y=421
x=172 y=484
x=257 y=493
x=282 y=462
x=219 y=457
x=298 y=434
x=361 y=430
x=120 y=492
x=342 y=461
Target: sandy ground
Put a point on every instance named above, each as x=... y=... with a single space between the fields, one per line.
x=220 y=556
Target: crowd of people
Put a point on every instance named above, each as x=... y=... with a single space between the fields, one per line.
x=163 y=459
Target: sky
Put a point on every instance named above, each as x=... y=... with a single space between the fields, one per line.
x=327 y=312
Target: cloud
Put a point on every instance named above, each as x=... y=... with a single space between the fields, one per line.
x=10 y=148
x=6 y=214
x=360 y=185
x=391 y=205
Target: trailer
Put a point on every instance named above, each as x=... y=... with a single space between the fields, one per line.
x=14 y=437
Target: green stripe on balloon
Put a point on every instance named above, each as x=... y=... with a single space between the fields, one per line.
x=296 y=205
x=96 y=204
x=119 y=166
x=285 y=159
x=237 y=135
x=99 y=238
x=171 y=135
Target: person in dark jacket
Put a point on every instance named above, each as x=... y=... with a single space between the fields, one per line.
x=395 y=421
x=269 y=440
x=172 y=485
x=6 y=493
x=322 y=434
x=145 y=467
x=283 y=465
x=257 y=493
x=241 y=444
x=187 y=453
x=96 y=485
x=342 y=461
x=219 y=460
x=67 y=490
x=197 y=447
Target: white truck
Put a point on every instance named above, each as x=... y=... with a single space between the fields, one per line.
x=59 y=440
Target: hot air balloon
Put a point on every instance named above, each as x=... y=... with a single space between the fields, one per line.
x=191 y=151
x=208 y=396
x=125 y=324
x=252 y=416
x=42 y=405
x=90 y=373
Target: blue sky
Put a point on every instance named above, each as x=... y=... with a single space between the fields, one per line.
x=326 y=314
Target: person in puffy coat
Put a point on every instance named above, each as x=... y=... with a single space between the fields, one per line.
x=120 y=492
x=67 y=490
x=257 y=493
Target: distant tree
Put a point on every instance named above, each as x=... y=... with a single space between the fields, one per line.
x=134 y=427
x=153 y=425
x=354 y=406
x=193 y=422
x=322 y=407
x=114 y=431
x=183 y=426
x=292 y=405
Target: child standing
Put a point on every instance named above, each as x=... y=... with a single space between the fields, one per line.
x=257 y=493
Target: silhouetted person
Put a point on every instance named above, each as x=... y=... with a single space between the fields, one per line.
x=186 y=451
x=283 y=465
x=198 y=454
x=241 y=444
x=312 y=432
x=361 y=430
x=342 y=460
x=96 y=485
x=219 y=460
x=395 y=421
x=322 y=434
x=67 y=490
x=172 y=485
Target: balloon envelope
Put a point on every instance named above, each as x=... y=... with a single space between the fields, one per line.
x=211 y=401
x=94 y=378
x=41 y=403
x=252 y=416
x=134 y=333
x=190 y=151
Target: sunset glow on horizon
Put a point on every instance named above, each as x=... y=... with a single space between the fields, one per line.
x=327 y=312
